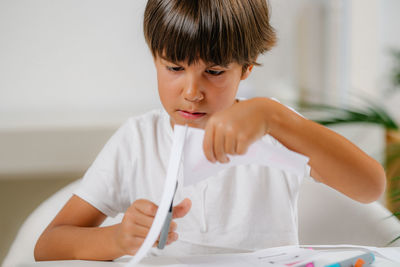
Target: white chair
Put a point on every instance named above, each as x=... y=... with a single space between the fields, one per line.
x=21 y=250
x=329 y=217
x=325 y=217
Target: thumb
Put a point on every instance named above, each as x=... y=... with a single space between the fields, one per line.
x=182 y=208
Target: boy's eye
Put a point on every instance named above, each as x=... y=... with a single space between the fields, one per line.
x=174 y=69
x=215 y=72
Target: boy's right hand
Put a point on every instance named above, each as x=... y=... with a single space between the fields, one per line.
x=138 y=218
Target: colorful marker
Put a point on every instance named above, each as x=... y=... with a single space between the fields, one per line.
x=363 y=260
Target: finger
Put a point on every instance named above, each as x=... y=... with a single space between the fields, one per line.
x=208 y=143
x=172 y=237
x=140 y=231
x=146 y=207
x=182 y=208
x=173 y=226
x=241 y=146
x=219 y=145
x=139 y=218
x=230 y=144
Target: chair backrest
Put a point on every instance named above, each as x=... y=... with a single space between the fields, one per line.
x=21 y=250
x=329 y=217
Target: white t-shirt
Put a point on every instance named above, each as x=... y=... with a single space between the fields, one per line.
x=243 y=208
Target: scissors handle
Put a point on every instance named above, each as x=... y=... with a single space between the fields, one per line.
x=165 y=229
x=167 y=222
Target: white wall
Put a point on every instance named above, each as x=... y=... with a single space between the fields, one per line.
x=389 y=38
x=82 y=64
x=389 y=35
x=365 y=46
x=72 y=71
x=85 y=62
x=277 y=77
x=68 y=62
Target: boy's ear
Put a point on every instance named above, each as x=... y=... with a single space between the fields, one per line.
x=247 y=72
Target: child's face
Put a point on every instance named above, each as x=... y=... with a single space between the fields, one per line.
x=192 y=94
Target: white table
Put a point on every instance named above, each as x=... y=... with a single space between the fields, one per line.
x=331 y=257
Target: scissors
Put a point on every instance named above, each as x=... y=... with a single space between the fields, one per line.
x=167 y=222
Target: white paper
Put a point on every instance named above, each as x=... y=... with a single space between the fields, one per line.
x=271 y=257
x=292 y=256
x=196 y=167
x=168 y=193
x=285 y=256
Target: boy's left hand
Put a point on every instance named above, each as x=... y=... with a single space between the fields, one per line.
x=234 y=129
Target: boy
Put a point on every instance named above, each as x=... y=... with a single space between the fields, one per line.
x=202 y=50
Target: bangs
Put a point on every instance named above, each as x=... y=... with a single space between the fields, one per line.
x=211 y=30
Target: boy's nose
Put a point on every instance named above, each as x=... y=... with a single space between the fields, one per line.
x=192 y=91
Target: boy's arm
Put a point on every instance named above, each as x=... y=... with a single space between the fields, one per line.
x=73 y=235
x=74 y=232
x=334 y=160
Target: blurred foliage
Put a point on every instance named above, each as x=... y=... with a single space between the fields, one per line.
x=331 y=115
x=395 y=76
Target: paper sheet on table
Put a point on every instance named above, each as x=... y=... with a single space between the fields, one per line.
x=196 y=167
x=168 y=193
x=272 y=257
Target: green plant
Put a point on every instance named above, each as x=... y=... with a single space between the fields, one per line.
x=371 y=113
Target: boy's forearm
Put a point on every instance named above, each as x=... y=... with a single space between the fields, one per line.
x=333 y=159
x=67 y=242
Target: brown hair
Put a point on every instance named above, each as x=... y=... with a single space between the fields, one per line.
x=215 y=31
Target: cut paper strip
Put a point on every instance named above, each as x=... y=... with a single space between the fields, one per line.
x=168 y=193
x=196 y=167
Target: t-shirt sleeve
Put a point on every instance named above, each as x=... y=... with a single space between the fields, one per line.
x=103 y=185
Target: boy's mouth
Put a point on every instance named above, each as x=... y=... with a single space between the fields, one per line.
x=191 y=115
